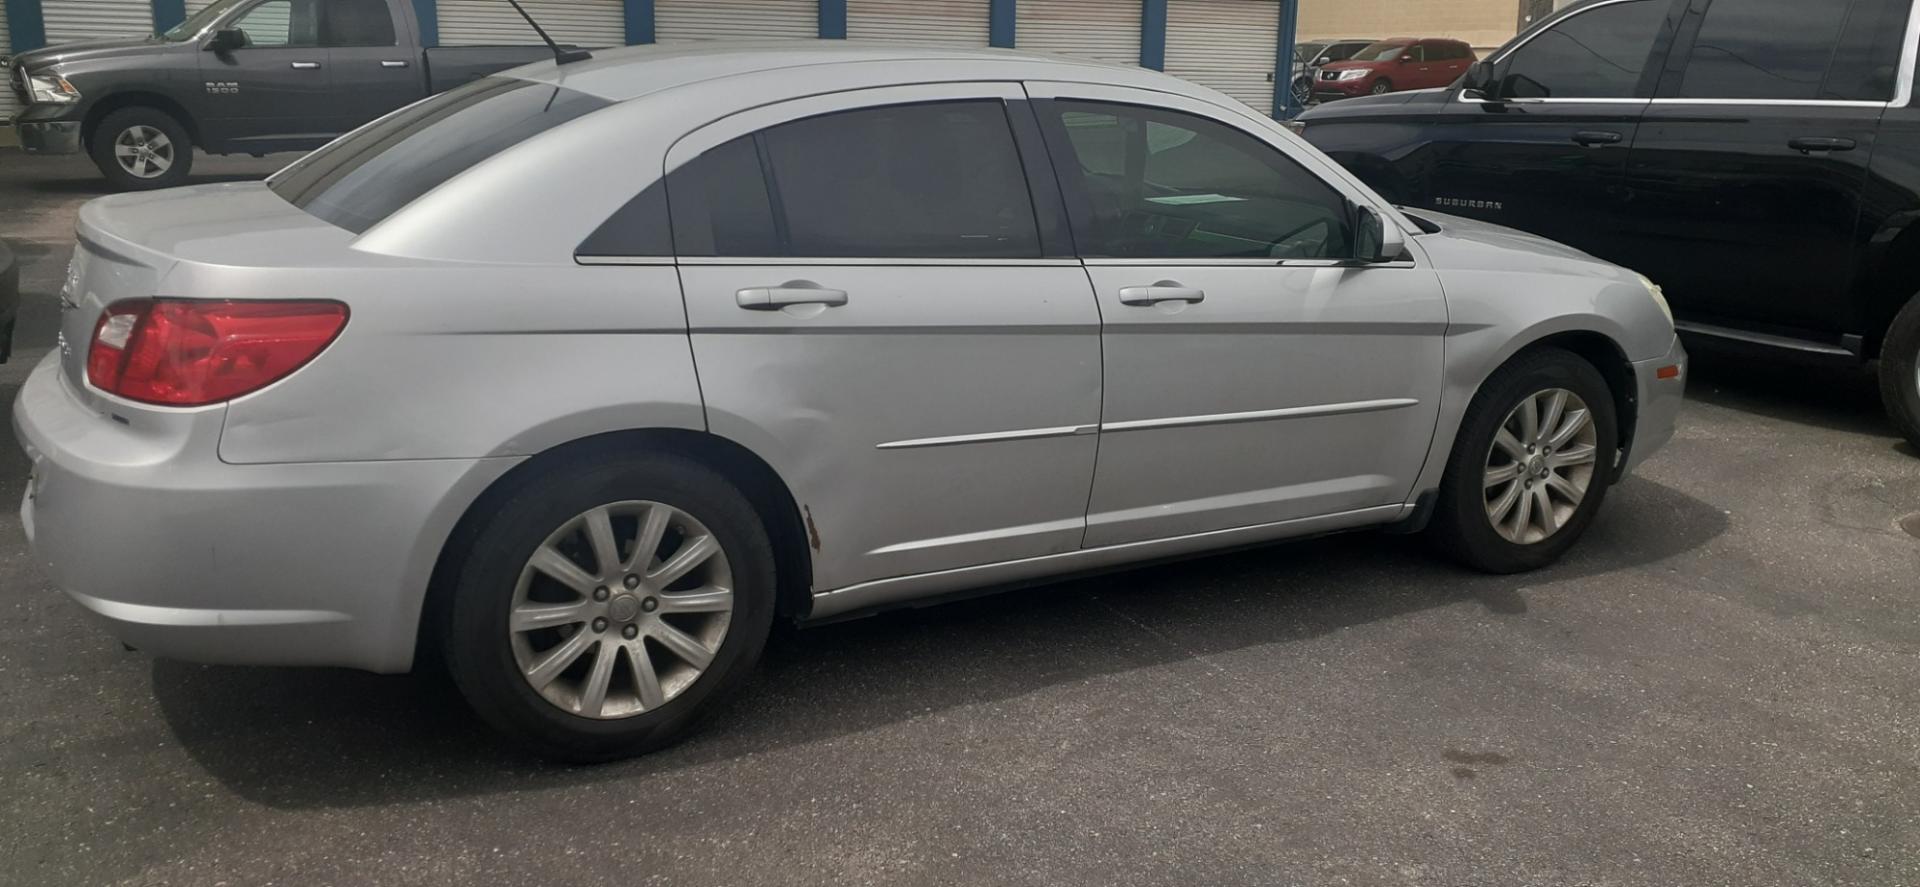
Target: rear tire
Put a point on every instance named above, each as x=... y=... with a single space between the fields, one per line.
x=1540 y=472
x=140 y=149
x=659 y=650
x=1900 y=373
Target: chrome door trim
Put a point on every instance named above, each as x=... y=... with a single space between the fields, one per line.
x=884 y=592
x=622 y=260
x=1909 y=56
x=878 y=262
x=1246 y=263
x=988 y=437
x=1789 y=103
x=1470 y=100
x=1331 y=409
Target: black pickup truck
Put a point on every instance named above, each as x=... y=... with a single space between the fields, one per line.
x=1760 y=159
x=238 y=77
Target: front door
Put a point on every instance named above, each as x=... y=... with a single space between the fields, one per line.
x=878 y=313
x=1548 y=153
x=1254 y=374
x=263 y=96
x=371 y=73
x=1748 y=169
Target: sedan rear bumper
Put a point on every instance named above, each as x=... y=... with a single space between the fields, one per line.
x=187 y=557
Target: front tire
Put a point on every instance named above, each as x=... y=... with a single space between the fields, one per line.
x=1381 y=88
x=601 y=610
x=141 y=149
x=1900 y=373
x=1530 y=465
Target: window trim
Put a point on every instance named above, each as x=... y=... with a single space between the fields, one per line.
x=1043 y=192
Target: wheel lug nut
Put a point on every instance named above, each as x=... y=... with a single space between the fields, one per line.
x=650 y=604
x=633 y=582
x=600 y=624
x=600 y=594
x=630 y=632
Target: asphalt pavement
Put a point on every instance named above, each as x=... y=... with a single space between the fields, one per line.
x=1720 y=686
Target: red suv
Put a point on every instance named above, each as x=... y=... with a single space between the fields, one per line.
x=1393 y=65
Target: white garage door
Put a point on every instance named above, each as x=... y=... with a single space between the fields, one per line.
x=580 y=22
x=1103 y=30
x=71 y=20
x=940 y=22
x=1230 y=45
x=734 y=19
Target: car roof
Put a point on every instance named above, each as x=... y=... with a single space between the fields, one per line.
x=623 y=73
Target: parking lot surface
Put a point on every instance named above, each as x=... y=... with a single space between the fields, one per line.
x=1720 y=686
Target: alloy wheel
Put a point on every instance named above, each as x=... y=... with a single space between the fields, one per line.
x=621 y=609
x=143 y=151
x=1540 y=466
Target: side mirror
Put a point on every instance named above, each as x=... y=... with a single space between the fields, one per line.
x=1406 y=60
x=226 y=39
x=1323 y=60
x=1480 y=80
x=1378 y=240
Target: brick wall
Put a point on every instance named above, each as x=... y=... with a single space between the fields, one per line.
x=1483 y=23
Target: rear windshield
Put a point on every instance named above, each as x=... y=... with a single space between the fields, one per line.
x=360 y=179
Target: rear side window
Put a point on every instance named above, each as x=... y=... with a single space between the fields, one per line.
x=358 y=23
x=1600 y=53
x=1795 y=50
x=359 y=180
x=280 y=23
x=935 y=180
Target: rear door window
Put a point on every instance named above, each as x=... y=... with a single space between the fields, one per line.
x=932 y=180
x=1600 y=53
x=358 y=23
x=360 y=179
x=1795 y=50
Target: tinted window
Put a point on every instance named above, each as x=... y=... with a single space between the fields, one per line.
x=1600 y=53
x=1380 y=52
x=906 y=181
x=358 y=180
x=281 y=23
x=359 y=23
x=1340 y=52
x=1786 y=49
x=1161 y=184
x=1867 y=64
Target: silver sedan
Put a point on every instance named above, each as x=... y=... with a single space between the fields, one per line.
x=582 y=376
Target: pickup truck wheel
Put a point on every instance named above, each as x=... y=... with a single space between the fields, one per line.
x=1529 y=466
x=1900 y=372
x=140 y=149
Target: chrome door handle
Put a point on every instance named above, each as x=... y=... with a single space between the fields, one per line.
x=303 y=66
x=1164 y=291
x=393 y=63
x=774 y=298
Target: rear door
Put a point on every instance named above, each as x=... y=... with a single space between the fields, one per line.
x=1253 y=375
x=270 y=94
x=882 y=309
x=373 y=71
x=1548 y=154
x=1747 y=173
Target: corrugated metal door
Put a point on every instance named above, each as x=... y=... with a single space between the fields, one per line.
x=71 y=20
x=580 y=22
x=940 y=22
x=675 y=20
x=1103 y=30
x=8 y=104
x=1230 y=45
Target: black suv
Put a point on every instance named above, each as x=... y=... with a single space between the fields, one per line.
x=1760 y=159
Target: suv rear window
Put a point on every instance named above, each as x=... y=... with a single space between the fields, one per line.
x=360 y=179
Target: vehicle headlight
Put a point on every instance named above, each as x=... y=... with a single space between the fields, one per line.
x=1354 y=74
x=48 y=88
x=1659 y=296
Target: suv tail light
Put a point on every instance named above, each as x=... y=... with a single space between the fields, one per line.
x=186 y=353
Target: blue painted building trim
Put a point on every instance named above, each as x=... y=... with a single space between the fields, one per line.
x=428 y=14
x=167 y=13
x=639 y=22
x=833 y=19
x=1000 y=23
x=1153 y=34
x=25 y=28
x=1284 y=105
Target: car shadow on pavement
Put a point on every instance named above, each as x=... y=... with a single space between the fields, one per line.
x=304 y=738
x=1845 y=399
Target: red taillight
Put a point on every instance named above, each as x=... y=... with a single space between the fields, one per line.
x=189 y=353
